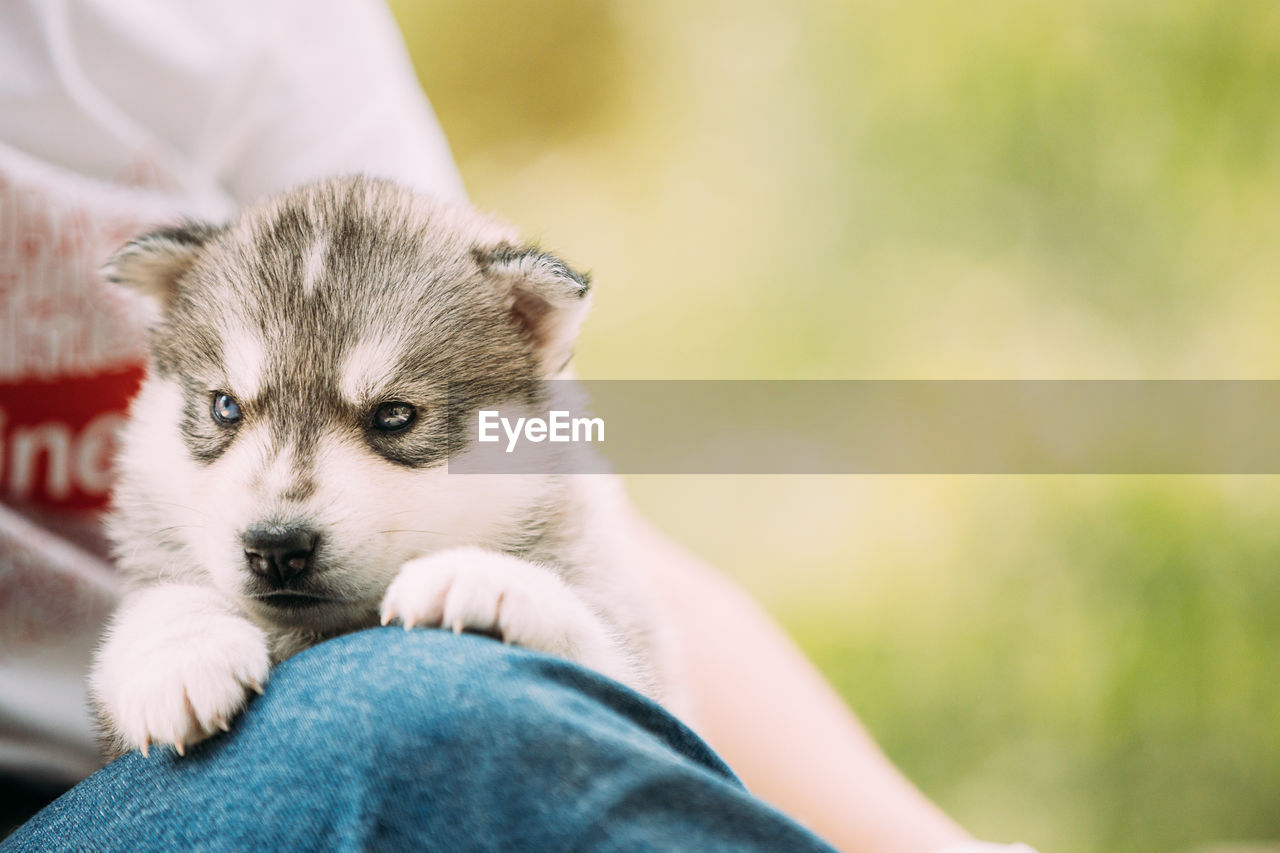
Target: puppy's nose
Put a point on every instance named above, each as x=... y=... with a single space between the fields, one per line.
x=279 y=553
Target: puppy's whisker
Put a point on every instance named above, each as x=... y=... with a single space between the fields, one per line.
x=182 y=506
x=407 y=530
x=177 y=527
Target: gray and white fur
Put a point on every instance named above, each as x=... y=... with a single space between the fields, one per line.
x=248 y=538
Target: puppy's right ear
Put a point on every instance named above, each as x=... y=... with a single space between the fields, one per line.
x=154 y=263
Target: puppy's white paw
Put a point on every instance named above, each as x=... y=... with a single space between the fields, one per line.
x=519 y=602
x=176 y=666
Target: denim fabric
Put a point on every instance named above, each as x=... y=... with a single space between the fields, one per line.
x=409 y=740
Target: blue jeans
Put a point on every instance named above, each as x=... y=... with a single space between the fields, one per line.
x=397 y=740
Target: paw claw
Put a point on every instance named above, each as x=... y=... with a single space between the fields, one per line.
x=176 y=683
x=505 y=597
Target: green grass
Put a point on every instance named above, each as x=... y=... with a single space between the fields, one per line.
x=1011 y=189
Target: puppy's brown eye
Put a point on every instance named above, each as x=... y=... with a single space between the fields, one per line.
x=390 y=417
x=225 y=409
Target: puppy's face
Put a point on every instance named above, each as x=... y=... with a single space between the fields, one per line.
x=309 y=371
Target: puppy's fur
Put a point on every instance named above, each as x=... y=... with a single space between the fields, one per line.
x=310 y=311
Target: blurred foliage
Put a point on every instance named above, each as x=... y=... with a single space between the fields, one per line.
x=1012 y=189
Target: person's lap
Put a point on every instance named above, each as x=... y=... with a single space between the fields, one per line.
x=423 y=739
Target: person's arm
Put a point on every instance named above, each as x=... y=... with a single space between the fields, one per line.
x=765 y=708
x=54 y=596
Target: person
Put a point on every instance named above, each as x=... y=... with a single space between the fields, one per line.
x=115 y=117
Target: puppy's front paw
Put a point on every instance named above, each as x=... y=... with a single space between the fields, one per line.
x=176 y=666
x=519 y=602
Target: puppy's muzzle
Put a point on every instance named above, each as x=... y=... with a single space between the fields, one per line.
x=279 y=554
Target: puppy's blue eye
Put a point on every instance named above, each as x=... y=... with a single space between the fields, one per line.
x=225 y=409
x=390 y=417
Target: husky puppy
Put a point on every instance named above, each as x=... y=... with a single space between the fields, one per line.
x=282 y=475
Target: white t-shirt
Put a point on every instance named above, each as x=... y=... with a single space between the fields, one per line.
x=117 y=116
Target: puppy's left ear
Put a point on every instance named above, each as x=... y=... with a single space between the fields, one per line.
x=548 y=300
x=155 y=263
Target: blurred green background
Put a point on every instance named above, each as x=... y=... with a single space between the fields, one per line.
x=1009 y=189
